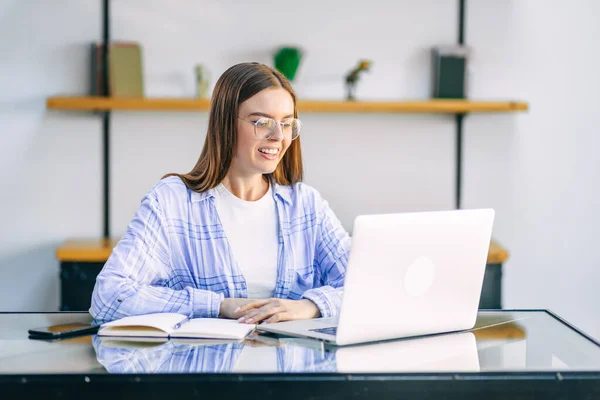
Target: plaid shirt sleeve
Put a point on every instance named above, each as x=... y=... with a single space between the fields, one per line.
x=131 y=282
x=331 y=258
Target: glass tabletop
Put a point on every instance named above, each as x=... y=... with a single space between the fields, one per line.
x=501 y=341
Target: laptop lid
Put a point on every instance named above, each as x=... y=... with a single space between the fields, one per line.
x=414 y=274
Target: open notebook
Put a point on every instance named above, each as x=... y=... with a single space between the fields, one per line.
x=172 y=325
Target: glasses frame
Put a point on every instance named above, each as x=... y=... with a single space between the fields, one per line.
x=273 y=131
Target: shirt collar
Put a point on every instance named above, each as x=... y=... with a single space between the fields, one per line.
x=284 y=192
x=197 y=197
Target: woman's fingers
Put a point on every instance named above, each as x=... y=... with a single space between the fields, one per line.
x=259 y=315
x=252 y=304
x=279 y=317
x=276 y=310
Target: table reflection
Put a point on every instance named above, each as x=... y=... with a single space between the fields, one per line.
x=251 y=356
x=455 y=352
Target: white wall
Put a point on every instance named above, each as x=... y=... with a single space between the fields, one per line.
x=540 y=170
x=50 y=162
x=536 y=169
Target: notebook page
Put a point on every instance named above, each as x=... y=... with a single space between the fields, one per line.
x=162 y=321
x=213 y=328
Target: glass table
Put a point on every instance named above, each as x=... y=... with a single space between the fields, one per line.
x=516 y=353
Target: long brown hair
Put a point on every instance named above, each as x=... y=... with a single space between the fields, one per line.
x=235 y=86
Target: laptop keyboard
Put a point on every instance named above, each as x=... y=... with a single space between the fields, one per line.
x=329 y=331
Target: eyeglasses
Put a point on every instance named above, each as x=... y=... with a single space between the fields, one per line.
x=264 y=127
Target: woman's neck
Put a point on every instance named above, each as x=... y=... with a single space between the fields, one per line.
x=246 y=188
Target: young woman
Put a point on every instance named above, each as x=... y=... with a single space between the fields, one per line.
x=239 y=236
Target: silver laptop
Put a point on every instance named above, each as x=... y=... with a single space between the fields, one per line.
x=408 y=275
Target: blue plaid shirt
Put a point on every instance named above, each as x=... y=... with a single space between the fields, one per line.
x=174 y=256
x=173 y=357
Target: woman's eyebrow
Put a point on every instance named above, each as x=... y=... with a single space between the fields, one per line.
x=260 y=114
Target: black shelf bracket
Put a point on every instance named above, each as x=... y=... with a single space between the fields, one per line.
x=459 y=117
x=105 y=119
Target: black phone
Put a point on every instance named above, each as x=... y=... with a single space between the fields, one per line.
x=63 y=331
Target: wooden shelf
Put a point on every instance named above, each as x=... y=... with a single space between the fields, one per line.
x=94 y=250
x=497 y=254
x=312 y=106
x=126 y=104
x=98 y=250
x=417 y=106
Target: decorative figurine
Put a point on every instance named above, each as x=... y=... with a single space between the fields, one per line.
x=352 y=77
x=287 y=60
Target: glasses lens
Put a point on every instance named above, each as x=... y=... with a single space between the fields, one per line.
x=296 y=128
x=264 y=127
x=291 y=127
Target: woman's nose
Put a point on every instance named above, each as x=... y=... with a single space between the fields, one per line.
x=278 y=133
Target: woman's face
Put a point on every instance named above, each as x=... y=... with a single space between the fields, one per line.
x=255 y=156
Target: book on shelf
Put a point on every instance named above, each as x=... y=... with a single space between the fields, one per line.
x=173 y=325
x=125 y=78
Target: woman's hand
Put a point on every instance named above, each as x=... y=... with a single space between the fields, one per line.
x=277 y=310
x=230 y=305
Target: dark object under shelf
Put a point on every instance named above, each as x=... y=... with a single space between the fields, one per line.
x=491 y=293
x=77 y=280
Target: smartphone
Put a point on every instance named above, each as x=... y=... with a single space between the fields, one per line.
x=63 y=331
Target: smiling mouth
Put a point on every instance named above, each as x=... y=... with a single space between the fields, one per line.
x=269 y=151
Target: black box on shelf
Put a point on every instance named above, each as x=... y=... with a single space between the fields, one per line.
x=450 y=72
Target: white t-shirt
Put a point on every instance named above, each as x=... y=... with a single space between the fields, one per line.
x=251 y=230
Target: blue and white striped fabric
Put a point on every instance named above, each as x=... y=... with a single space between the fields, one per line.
x=172 y=357
x=174 y=256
